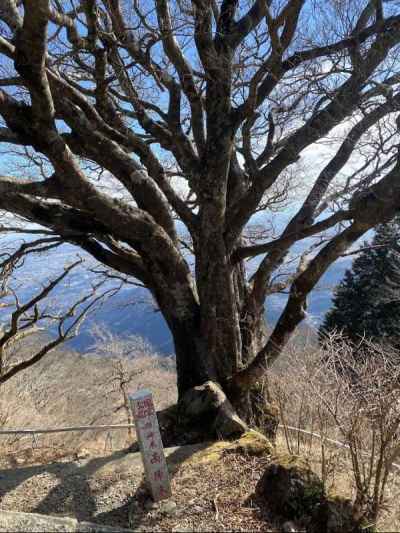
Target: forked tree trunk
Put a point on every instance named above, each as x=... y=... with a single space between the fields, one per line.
x=213 y=346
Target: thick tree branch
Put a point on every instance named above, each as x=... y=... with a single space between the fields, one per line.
x=184 y=70
x=30 y=58
x=294 y=311
x=379 y=204
x=308 y=211
x=10 y=14
x=243 y=27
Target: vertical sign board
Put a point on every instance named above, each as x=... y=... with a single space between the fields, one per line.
x=150 y=443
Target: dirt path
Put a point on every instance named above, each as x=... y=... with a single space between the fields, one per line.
x=94 y=489
x=212 y=490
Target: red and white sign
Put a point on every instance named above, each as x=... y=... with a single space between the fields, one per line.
x=150 y=443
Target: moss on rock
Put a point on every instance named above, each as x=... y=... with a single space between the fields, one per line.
x=335 y=515
x=250 y=443
x=293 y=491
x=290 y=488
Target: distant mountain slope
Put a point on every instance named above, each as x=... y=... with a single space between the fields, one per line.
x=126 y=314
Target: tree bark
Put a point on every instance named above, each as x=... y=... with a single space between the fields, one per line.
x=220 y=340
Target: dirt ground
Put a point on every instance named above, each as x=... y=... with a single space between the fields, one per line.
x=208 y=495
x=212 y=490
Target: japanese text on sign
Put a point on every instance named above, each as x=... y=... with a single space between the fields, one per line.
x=151 y=447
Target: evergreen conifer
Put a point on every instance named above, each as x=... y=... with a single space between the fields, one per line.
x=366 y=302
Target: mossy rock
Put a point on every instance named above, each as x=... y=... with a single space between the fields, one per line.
x=206 y=409
x=250 y=443
x=336 y=514
x=290 y=488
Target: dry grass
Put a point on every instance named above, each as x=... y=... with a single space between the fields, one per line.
x=216 y=496
x=68 y=389
x=352 y=397
x=340 y=481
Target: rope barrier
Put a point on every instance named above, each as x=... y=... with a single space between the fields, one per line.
x=21 y=431
x=326 y=439
x=34 y=431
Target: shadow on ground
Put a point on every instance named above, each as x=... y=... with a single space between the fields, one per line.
x=83 y=488
x=135 y=514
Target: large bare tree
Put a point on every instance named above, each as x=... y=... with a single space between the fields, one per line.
x=145 y=112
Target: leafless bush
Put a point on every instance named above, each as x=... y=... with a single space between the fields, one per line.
x=132 y=360
x=347 y=395
x=69 y=389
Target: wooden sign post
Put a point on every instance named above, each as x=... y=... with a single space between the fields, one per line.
x=150 y=444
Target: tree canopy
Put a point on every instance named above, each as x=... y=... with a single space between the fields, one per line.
x=367 y=301
x=134 y=115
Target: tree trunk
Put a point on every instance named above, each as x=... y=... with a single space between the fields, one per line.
x=193 y=363
x=211 y=347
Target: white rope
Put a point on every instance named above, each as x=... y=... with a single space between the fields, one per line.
x=34 y=431
x=311 y=434
x=325 y=439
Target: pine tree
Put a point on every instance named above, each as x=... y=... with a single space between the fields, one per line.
x=367 y=301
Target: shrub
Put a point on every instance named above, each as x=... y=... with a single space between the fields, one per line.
x=339 y=394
